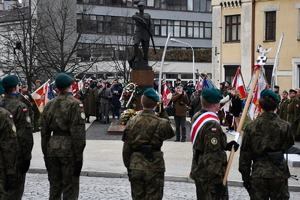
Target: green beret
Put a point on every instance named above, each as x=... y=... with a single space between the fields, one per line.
x=63 y=80
x=151 y=93
x=222 y=83
x=1 y=88
x=228 y=82
x=10 y=81
x=269 y=93
x=212 y=95
x=276 y=86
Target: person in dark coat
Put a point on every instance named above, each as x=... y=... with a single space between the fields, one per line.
x=105 y=102
x=236 y=107
x=116 y=91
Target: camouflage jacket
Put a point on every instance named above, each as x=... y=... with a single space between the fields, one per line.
x=64 y=114
x=138 y=131
x=282 y=112
x=8 y=142
x=267 y=133
x=22 y=121
x=209 y=158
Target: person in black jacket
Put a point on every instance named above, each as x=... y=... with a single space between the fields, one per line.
x=236 y=107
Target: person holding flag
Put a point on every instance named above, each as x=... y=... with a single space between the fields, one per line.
x=209 y=145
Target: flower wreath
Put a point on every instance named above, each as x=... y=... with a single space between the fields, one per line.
x=129 y=95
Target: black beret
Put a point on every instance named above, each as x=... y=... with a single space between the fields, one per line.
x=276 y=86
x=63 y=80
x=212 y=95
x=178 y=79
x=269 y=93
x=10 y=81
x=151 y=93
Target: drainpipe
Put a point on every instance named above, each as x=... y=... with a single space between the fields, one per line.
x=253 y=33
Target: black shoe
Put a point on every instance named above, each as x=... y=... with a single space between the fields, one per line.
x=176 y=140
x=36 y=130
x=87 y=121
x=183 y=140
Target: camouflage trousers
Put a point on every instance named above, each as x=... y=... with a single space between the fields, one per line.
x=205 y=189
x=146 y=185
x=17 y=192
x=263 y=189
x=61 y=178
x=3 y=194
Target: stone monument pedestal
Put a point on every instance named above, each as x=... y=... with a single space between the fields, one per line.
x=144 y=77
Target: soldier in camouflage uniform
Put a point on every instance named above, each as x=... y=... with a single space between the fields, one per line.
x=293 y=112
x=22 y=121
x=209 y=145
x=25 y=97
x=282 y=112
x=262 y=165
x=63 y=140
x=142 y=155
x=8 y=150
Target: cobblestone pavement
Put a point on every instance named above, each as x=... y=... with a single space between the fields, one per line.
x=37 y=188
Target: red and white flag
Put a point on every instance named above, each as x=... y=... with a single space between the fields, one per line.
x=238 y=83
x=75 y=88
x=166 y=95
x=255 y=109
x=40 y=96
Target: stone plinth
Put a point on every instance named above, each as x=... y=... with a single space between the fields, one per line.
x=144 y=79
x=115 y=128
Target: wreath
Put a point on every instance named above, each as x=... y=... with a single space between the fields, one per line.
x=129 y=95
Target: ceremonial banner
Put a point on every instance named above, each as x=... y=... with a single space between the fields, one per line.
x=166 y=94
x=40 y=96
x=199 y=83
x=238 y=83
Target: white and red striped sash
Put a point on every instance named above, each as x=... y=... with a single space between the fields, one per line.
x=207 y=116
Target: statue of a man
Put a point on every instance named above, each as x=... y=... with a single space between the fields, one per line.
x=143 y=32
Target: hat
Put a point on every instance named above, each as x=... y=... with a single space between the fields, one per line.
x=293 y=91
x=276 y=86
x=284 y=91
x=269 y=93
x=168 y=81
x=1 y=88
x=141 y=3
x=222 y=83
x=108 y=84
x=151 y=93
x=94 y=78
x=63 y=80
x=228 y=82
x=10 y=81
x=212 y=95
x=155 y=80
x=178 y=79
x=190 y=81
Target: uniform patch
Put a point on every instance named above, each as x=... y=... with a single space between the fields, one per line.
x=82 y=115
x=13 y=127
x=81 y=105
x=11 y=117
x=25 y=110
x=213 y=129
x=28 y=119
x=214 y=141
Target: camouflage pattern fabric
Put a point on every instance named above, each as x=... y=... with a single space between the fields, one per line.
x=22 y=121
x=64 y=115
x=209 y=158
x=26 y=99
x=262 y=189
x=8 y=149
x=293 y=112
x=267 y=133
x=138 y=132
x=283 y=109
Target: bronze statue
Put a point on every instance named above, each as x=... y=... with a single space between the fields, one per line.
x=143 y=33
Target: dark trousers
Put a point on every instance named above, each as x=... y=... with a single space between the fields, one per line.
x=146 y=185
x=61 y=178
x=180 y=123
x=17 y=192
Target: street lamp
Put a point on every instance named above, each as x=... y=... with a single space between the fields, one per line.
x=178 y=41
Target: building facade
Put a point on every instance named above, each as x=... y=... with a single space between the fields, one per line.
x=240 y=26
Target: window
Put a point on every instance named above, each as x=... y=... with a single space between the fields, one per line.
x=232 y=28
x=230 y=72
x=268 y=73
x=270 y=34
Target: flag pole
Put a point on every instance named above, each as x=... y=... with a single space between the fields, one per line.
x=241 y=123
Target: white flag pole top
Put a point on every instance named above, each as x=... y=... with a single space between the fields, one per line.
x=273 y=80
x=261 y=60
x=162 y=63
